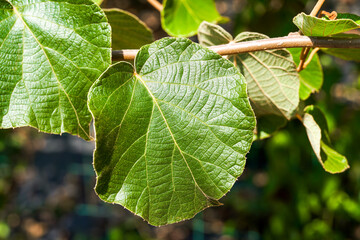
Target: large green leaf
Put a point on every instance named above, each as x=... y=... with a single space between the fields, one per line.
x=311 y=78
x=321 y=27
x=51 y=52
x=182 y=18
x=273 y=83
x=172 y=135
x=318 y=134
x=128 y=32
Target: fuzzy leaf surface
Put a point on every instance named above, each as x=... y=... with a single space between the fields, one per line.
x=318 y=134
x=128 y=31
x=321 y=27
x=312 y=77
x=172 y=135
x=182 y=18
x=51 y=52
x=273 y=83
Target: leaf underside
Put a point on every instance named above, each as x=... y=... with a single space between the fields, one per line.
x=171 y=137
x=128 y=32
x=51 y=52
x=346 y=54
x=320 y=27
x=273 y=83
x=318 y=134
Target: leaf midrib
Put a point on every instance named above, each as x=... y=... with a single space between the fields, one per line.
x=52 y=69
x=171 y=134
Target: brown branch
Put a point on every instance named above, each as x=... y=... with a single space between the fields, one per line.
x=292 y=41
x=158 y=6
x=303 y=55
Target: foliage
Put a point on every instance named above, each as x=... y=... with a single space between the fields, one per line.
x=183 y=18
x=51 y=53
x=173 y=130
x=128 y=32
x=141 y=119
x=311 y=78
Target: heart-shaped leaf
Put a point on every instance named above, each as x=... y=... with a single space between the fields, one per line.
x=182 y=18
x=51 y=52
x=321 y=27
x=273 y=83
x=128 y=32
x=171 y=137
x=318 y=134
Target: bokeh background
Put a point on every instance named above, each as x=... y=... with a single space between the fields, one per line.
x=46 y=181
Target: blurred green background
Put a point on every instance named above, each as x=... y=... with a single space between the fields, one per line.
x=46 y=181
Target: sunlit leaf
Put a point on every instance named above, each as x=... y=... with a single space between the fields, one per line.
x=98 y=2
x=181 y=18
x=311 y=78
x=318 y=134
x=51 y=52
x=172 y=135
x=321 y=27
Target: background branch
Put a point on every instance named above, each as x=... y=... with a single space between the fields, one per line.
x=291 y=41
x=158 y=6
x=317 y=8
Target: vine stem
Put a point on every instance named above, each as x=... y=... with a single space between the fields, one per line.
x=291 y=41
x=158 y=6
x=311 y=56
x=305 y=51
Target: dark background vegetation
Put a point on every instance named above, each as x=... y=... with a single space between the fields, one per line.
x=46 y=181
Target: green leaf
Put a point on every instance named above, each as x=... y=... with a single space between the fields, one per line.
x=51 y=52
x=267 y=125
x=171 y=137
x=211 y=35
x=182 y=18
x=98 y=2
x=321 y=27
x=273 y=83
x=128 y=32
x=346 y=54
x=311 y=78
x=318 y=134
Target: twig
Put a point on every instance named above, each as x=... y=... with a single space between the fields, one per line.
x=303 y=55
x=317 y=8
x=305 y=51
x=158 y=6
x=292 y=41
x=311 y=56
x=299 y=117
